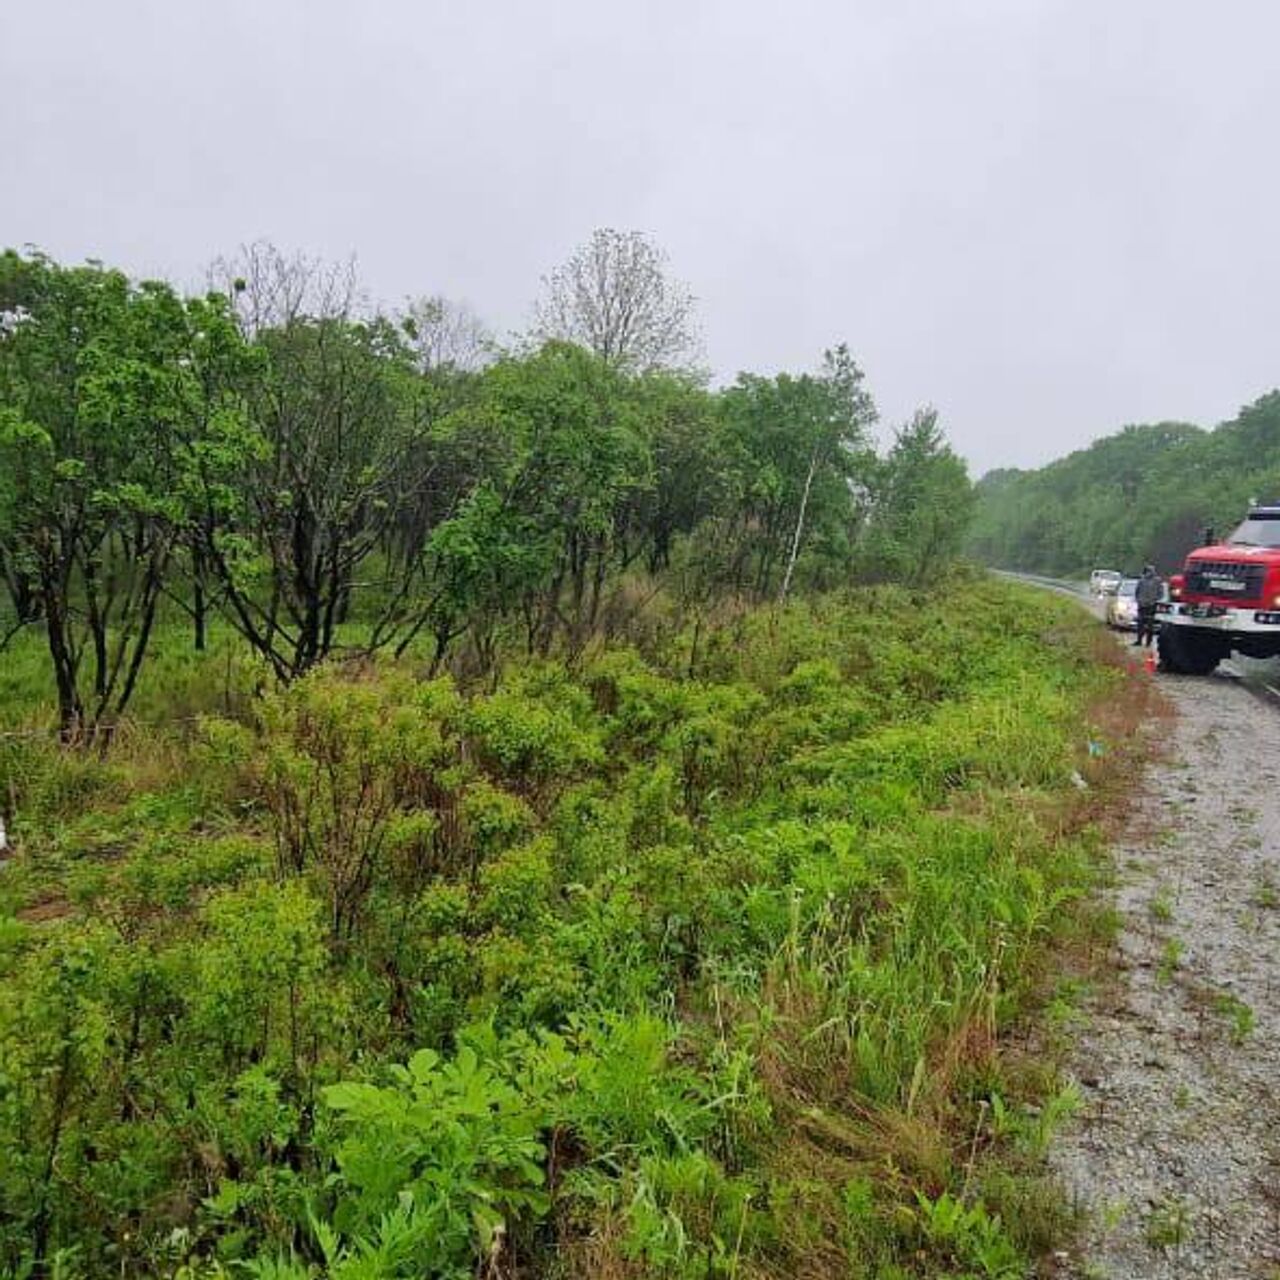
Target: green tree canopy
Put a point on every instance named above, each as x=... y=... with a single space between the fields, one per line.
x=115 y=402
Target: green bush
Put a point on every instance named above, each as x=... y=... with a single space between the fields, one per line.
x=681 y=961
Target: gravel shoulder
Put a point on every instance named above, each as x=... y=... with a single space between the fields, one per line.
x=1175 y=1154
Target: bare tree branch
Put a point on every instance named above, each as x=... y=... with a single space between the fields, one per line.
x=270 y=289
x=447 y=335
x=614 y=297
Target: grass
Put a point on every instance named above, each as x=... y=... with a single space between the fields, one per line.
x=177 y=684
x=1239 y=1016
x=1160 y=907
x=1168 y=1225
x=746 y=958
x=1171 y=954
x=1266 y=896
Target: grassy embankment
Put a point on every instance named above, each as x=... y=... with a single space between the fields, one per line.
x=716 y=956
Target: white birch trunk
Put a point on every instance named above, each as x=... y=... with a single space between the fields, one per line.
x=799 y=533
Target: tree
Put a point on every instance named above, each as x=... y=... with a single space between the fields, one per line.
x=20 y=585
x=447 y=337
x=851 y=412
x=615 y=298
x=678 y=419
x=923 y=503
x=113 y=400
x=796 y=448
x=1145 y=493
x=344 y=475
x=335 y=414
x=576 y=455
x=270 y=289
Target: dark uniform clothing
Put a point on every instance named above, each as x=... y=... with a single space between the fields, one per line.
x=1149 y=590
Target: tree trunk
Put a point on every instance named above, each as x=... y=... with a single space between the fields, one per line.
x=199 y=602
x=70 y=708
x=198 y=607
x=799 y=532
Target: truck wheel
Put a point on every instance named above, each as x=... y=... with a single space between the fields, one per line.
x=1188 y=655
x=1169 y=650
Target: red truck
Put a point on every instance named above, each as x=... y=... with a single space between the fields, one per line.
x=1226 y=598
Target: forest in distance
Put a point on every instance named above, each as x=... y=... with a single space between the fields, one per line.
x=1145 y=494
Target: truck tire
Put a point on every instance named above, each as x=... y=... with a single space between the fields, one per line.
x=1186 y=654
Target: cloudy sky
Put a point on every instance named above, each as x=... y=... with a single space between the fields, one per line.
x=1045 y=217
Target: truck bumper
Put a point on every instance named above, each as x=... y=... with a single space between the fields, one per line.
x=1220 y=618
x=1253 y=632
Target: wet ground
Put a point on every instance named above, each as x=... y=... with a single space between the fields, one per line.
x=1175 y=1156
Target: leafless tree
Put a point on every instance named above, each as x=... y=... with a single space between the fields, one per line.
x=614 y=296
x=270 y=289
x=447 y=335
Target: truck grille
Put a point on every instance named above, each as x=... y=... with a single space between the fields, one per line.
x=1225 y=578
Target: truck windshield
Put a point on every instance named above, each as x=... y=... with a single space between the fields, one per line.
x=1258 y=531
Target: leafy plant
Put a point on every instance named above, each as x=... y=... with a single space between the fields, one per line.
x=967 y=1236
x=447 y=1158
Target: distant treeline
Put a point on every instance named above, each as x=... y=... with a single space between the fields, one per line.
x=1146 y=493
x=328 y=477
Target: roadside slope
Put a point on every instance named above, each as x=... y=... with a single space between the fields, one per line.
x=1176 y=1155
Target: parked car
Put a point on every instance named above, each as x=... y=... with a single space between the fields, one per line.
x=1103 y=582
x=1122 y=606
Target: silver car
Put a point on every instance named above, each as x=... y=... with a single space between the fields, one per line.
x=1104 y=582
x=1122 y=608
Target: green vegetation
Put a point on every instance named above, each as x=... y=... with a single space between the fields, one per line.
x=1238 y=1014
x=1266 y=896
x=1145 y=493
x=1161 y=905
x=1171 y=954
x=683 y=960
x=1168 y=1225
x=467 y=820
x=312 y=473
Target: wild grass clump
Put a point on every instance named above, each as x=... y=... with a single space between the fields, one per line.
x=694 y=961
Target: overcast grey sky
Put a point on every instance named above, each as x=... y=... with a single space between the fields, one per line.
x=1046 y=217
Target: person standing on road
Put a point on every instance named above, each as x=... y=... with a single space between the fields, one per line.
x=1149 y=590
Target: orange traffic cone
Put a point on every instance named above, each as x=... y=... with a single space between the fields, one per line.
x=1149 y=661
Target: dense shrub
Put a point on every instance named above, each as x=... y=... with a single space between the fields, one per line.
x=626 y=966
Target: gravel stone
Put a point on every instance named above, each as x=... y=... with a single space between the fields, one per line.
x=1187 y=1125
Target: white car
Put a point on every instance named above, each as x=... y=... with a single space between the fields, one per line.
x=1122 y=607
x=1105 y=582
